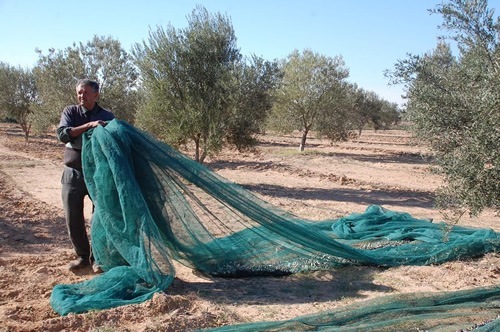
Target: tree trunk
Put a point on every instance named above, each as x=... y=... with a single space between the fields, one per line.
x=303 y=139
x=26 y=130
x=202 y=157
x=197 y=149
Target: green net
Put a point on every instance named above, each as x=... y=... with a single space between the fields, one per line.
x=153 y=206
x=450 y=311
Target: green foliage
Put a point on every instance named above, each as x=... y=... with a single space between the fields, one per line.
x=56 y=75
x=107 y=62
x=386 y=115
x=256 y=80
x=311 y=96
x=187 y=74
x=453 y=104
x=198 y=87
x=367 y=108
x=358 y=105
x=101 y=59
x=18 y=95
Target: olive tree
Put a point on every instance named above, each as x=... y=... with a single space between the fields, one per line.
x=198 y=88
x=105 y=60
x=18 y=95
x=454 y=102
x=101 y=59
x=364 y=108
x=388 y=115
x=311 y=96
x=56 y=75
x=257 y=79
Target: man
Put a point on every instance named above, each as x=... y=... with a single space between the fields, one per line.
x=75 y=120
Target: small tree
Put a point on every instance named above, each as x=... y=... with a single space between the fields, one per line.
x=355 y=102
x=101 y=59
x=311 y=95
x=389 y=115
x=17 y=95
x=56 y=75
x=198 y=88
x=257 y=79
x=363 y=106
x=106 y=61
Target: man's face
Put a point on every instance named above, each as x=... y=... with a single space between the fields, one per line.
x=86 y=96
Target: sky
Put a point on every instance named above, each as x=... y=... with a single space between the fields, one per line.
x=370 y=35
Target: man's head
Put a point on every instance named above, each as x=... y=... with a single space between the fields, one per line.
x=87 y=92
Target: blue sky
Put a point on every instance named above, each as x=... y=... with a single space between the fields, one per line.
x=370 y=35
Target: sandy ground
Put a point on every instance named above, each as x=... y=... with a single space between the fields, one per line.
x=328 y=181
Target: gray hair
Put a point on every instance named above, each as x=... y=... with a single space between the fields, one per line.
x=86 y=82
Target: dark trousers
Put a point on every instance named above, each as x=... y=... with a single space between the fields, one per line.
x=74 y=191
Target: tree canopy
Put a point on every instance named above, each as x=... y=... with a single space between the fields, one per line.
x=453 y=104
x=198 y=89
x=101 y=59
x=311 y=94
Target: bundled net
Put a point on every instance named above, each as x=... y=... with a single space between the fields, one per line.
x=154 y=206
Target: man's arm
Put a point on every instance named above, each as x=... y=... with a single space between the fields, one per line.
x=67 y=134
x=77 y=131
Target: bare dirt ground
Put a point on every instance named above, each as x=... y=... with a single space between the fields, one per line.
x=328 y=181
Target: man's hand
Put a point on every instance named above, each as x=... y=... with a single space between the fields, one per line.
x=77 y=131
x=94 y=124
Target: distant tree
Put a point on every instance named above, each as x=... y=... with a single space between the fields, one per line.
x=106 y=61
x=311 y=96
x=257 y=80
x=389 y=115
x=102 y=59
x=362 y=106
x=56 y=75
x=366 y=108
x=355 y=106
x=18 y=95
x=198 y=88
x=335 y=120
x=453 y=104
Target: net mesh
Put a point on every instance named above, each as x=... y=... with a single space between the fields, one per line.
x=452 y=311
x=153 y=206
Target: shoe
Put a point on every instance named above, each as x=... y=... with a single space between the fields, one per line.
x=78 y=264
x=96 y=268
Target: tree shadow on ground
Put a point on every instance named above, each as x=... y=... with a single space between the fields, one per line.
x=401 y=143
x=291 y=144
x=386 y=158
x=403 y=198
x=320 y=286
x=23 y=236
x=232 y=165
x=27 y=223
